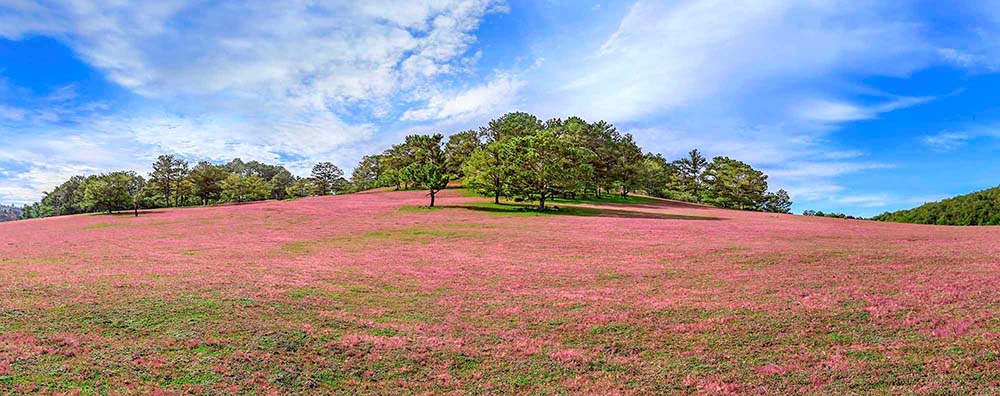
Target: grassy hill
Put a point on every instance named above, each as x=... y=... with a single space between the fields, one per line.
x=978 y=208
x=369 y=294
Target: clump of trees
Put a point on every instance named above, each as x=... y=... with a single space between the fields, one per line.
x=173 y=182
x=516 y=156
x=978 y=208
x=522 y=157
x=836 y=215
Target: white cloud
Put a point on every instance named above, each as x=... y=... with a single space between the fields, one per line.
x=666 y=55
x=866 y=201
x=768 y=82
x=824 y=110
x=953 y=140
x=947 y=141
x=290 y=82
x=477 y=101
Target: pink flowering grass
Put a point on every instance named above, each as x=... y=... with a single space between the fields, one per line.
x=368 y=294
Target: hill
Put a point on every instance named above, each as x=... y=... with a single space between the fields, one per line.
x=373 y=294
x=978 y=208
x=9 y=213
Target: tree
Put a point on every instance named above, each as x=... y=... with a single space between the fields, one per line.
x=459 y=149
x=236 y=166
x=167 y=173
x=689 y=172
x=280 y=182
x=654 y=174
x=206 y=180
x=238 y=188
x=778 y=202
x=328 y=178
x=628 y=162
x=430 y=167
x=547 y=163
x=136 y=188
x=108 y=192
x=302 y=187
x=487 y=171
x=734 y=184
x=368 y=173
x=510 y=125
x=67 y=198
x=601 y=139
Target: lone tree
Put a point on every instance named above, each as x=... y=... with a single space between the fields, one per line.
x=430 y=165
x=136 y=189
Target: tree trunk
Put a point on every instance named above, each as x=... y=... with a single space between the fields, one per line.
x=541 y=202
x=624 y=192
x=136 y=209
x=496 y=197
x=432 y=198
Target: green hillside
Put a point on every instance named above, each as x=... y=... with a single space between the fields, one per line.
x=978 y=208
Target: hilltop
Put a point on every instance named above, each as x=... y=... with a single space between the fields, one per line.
x=9 y=213
x=978 y=208
x=374 y=294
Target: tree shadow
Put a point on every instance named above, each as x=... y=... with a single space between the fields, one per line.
x=130 y=213
x=531 y=210
x=660 y=203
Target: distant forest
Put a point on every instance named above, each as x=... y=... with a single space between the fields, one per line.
x=978 y=208
x=517 y=156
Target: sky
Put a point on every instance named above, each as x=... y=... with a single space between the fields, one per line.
x=855 y=107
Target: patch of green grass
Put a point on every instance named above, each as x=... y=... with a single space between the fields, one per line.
x=616 y=329
x=611 y=276
x=333 y=378
x=99 y=226
x=384 y=332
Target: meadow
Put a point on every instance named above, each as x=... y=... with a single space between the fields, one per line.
x=370 y=293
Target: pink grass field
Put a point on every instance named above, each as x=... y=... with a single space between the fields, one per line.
x=367 y=294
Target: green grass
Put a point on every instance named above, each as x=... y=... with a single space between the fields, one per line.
x=580 y=198
x=527 y=209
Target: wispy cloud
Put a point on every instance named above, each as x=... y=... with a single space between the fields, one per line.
x=953 y=140
x=824 y=110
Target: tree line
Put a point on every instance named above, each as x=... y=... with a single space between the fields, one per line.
x=978 y=208
x=517 y=156
x=174 y=182
x=835 y=215
x=521 y=157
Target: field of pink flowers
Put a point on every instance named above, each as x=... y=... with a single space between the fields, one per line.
x=369 y=294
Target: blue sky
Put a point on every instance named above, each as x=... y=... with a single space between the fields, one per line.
x=858 y=107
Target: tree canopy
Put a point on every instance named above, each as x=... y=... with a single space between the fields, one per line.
x=516 y=156
x=978 y=208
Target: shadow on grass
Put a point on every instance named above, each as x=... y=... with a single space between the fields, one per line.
x=531 y=210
